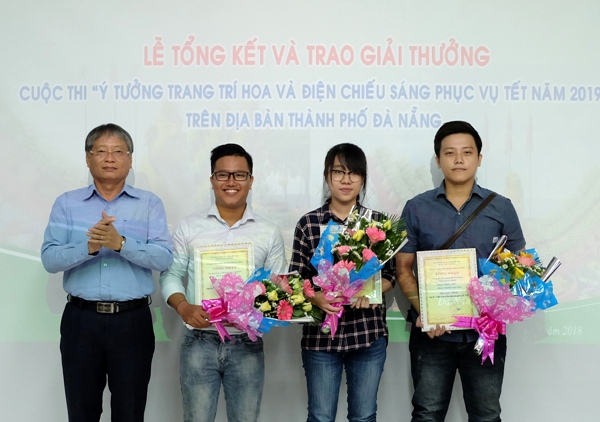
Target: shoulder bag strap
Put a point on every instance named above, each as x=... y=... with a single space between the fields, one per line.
x=469 y=220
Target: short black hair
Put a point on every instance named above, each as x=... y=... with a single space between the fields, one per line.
x=450 y=128
x=108 y=129
x=350 y=156
x=227 y=150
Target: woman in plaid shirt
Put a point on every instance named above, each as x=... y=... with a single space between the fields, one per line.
x=360 y=341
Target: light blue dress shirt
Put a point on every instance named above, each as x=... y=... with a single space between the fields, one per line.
x=109 y=275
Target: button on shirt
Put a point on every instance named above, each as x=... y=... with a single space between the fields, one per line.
x=109 y=275
x=208 y=228
x=357 y=327
x=431 y=219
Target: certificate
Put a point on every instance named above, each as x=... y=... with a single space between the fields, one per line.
x=443 y=279
x=371 y=289
x=218 y=260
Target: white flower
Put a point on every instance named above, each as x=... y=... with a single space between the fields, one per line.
x=489 y=301
x=487 y=282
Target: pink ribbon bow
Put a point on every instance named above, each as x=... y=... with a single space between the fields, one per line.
x=334 y=280
x=488 y=329
x=217 y=309
x=235 y=306
x=497 y=307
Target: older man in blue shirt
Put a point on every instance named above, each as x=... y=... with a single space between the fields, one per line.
x=432 y=218
x=107 y=238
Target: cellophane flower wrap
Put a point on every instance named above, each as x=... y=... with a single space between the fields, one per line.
x=522 y=272
x=497 y=306
x=286 y=298
x=235 y=306
x=337 y=281
x=347 y=256
x=512 y=288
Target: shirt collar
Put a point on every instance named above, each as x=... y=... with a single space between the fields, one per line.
x=328 y=215
x=441 y=190
x=128 y=190
x=248 y=215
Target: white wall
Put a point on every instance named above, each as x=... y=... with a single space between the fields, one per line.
x=540 y=149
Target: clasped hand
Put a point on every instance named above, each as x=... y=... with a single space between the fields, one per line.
x=104 y=234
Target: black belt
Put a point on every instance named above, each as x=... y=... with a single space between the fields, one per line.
x=109 y=307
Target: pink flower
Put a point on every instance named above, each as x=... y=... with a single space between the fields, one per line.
x=526 y=260
x=282 y=282
x=308 y=289
x=284 y=310
x=375 y=235
x=348 y=265
x=367 y=254
x=343 y=250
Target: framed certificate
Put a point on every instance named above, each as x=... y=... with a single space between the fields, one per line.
x=371 y=289
x=218 y=260
x=443 y=277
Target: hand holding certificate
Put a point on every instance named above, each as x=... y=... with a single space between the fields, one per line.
x=443 y=278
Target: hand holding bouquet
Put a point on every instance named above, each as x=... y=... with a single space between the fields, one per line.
x=235 y=306
x=361 y=249
x=496 y=306
x=512 y=288
x=260 y=303
x=336 y=283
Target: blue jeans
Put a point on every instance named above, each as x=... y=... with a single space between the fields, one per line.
x=433 y=366
x=206 y=363
x=323 y=372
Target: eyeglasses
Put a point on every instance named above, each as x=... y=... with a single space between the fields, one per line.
x=338 y=176
x=238 y=176
x=102 y=154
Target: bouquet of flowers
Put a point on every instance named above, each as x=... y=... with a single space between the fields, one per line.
x=365 y=238
x=235 y=306
x=523 y=272
x=512 y=288
x=497 y=306
x=348 y=256
x=337 y=281
x=285 y=298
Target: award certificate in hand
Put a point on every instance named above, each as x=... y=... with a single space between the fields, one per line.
x=218 y=260
x=443 y=277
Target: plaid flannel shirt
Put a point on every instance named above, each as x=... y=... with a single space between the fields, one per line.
x=357 y=327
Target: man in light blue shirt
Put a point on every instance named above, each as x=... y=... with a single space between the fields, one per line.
x=207 y=362
x=107 y=238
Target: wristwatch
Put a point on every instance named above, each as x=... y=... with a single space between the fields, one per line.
x=122 y=244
